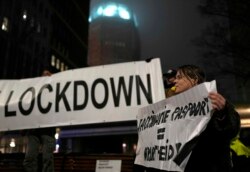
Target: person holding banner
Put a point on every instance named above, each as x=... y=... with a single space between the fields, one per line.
x=210 y=151
x=40 y=137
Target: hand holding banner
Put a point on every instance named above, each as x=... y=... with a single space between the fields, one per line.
x=168 y=129
x=109 y=93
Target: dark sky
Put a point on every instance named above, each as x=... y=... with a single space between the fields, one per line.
x=166 y=29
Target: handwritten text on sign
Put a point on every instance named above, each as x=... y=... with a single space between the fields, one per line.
x=166 y=128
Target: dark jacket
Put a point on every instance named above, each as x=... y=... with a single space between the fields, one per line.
x=212 y=149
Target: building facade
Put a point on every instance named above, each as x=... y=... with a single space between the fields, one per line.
x=113 y=35
x=36 y=34
x=39 y=34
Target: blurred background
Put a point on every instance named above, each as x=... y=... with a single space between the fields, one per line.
x=71 y=34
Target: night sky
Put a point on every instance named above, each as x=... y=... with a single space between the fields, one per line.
x=166 y=29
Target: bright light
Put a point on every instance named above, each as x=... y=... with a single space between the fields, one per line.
x=53 y=60
x=124 y=145
x=12 y=143
x=25 y=15
x=90 y=19
x=110 y=10
x=123 y=13
x=62 y=66
x=100 y=11
x=58 y=64
x=134 y=147
x=245 y=123
x=5 y=24
x=56 y=136
x=57 y=148
x=3 y=27
x=243 y=111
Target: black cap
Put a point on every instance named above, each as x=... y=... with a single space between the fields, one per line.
x=170 y=73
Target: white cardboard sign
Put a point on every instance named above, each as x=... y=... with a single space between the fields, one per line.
x=169 y=127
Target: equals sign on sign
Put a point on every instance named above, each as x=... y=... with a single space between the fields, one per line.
x=160 y=133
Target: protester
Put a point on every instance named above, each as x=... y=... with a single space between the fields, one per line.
x=240 y=150
x=211 y=151
x=43 y=137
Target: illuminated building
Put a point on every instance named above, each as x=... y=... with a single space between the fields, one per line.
x=36 y=34
x=113 y=36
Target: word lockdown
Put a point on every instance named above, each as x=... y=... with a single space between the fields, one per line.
x=61 y=91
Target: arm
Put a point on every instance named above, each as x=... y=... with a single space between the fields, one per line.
x=226 y=121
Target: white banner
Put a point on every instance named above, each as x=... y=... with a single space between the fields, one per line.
x=106 y=93
x=168 y=129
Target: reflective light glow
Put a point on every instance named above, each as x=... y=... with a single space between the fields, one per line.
x=111 y=10
x=243 y=110
x=100 y=11
x=124 y=14
x=56 y=136
x=53 y=60
x=124 y=145
x=25 y=15
x=5 y=24
x=134 y=147
x=58 y=63
x=90 y=19
x=12 y=143
x=57 y=148
x=245 y=123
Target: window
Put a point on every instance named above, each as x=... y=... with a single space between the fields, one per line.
x=62 y=66
x=5 y=23
x=24 y=15
x=58 y=64
x=53 y=60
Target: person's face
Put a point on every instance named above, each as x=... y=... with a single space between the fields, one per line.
x=183 y=83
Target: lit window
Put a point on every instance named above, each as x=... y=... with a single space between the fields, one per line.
x=62 y=66
x=12 y=143
x=53 y=60
x=25 y=15
x=57 y=63
x=5 y=24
